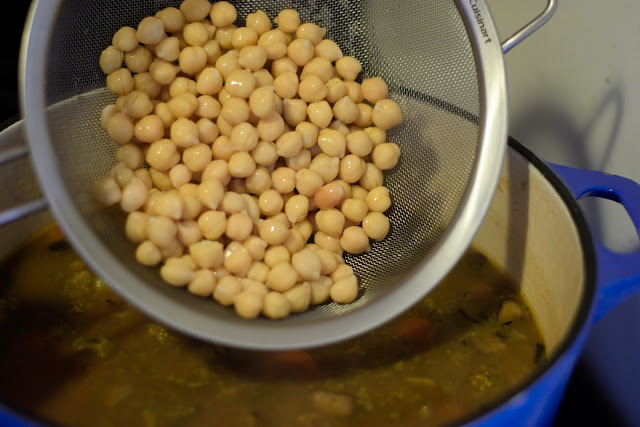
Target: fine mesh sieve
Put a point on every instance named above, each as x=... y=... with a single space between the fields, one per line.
x=444 y=66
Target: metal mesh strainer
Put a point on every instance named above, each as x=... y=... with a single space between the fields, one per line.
x=435 y=57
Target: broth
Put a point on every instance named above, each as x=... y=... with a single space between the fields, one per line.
x=72 y=352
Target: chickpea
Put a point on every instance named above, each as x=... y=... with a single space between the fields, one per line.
x=224 y=37
x=122 y=174
x=221 y=148
x=270 y=202
x=281 y=277
x=354 y=91
x=302 y=160
x=371 y=178
x=272 y=231
x=256 y=247
x=189 y=232
x=163 y=72
x=329 y=196
x=138 y=59
x=310 y=31
x=210 y=193
x=343 y=129
x=106 y=191
x=320 y=113
x=295 y=111
x=150 y=30
x=203 y=284
x=134 y=196
x=241 y=165
x=213 y=50
x=320 y=67
x=346 y=110
x=180 y=174
x=147 y=253
x=309 y=132
x=244 y=137
x=378 y=199
x=192 y=59
x=376 y=225
x=110 y=59
x=125 y=39
x=352 y=168
x=286 y=84
x=326 y=166
x=173 y=250
x=223 y=13
x=197 y=157
x=235 y=111
x=320 y=290
x=385 y=156
x=168 y=49
x=259 y=22
x=374 y=89
x=328 y=242
x=276 y=305
x=144 y=176
x=288 y=20
x=120 y=81
x=252 y=209
x=161 y=230
x=239 y=226
x=208 y=107
x=162 y=110
x=209 y=81
x=207 y=131
x=237 y=259
x=312 y=89
x=131 y=155
x=283 y=180
x=344 y=291
x=359 y=143
x=330 y=221
x=386 y=114
x=328 y=262
x=289 y=144
x=354 y=210
x=195 y=10
x=300 y=51
x=299 y=297
x=243 y=37
x=252 y=57
x=275 y=255
x=332 y=142
x=224 y=127
x=297 y=208
x=258 y=182
x=169 y=204
x=348 y=67
x=258 y=272
x=240 y=83
x=328 y=49
x=271 y=127
x=307 y=264
x=262 y=102
x=249 y=305
x=207 y=254
x=265 y=153
x=274 y=43
x=308 y=182
x=227 y=289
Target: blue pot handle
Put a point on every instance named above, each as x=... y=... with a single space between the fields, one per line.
x=618 y=273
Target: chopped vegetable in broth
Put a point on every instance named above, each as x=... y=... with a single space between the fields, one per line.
x=74 y=353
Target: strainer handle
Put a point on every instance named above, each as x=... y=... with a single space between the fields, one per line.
x=531 y=27
x=618 y=274
x=27 y=208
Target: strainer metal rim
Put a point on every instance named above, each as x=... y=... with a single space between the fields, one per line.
x=491 y=145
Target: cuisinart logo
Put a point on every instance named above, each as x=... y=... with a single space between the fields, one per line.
x=479 y=20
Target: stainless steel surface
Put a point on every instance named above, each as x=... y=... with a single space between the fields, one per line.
x=448 y=80
x=531 y=27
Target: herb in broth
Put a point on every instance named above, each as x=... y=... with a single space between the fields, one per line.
x=74 y=353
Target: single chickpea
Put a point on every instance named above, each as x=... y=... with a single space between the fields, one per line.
x=120 y=81
x=106 y=113
x=208 y=107
x=281 y=277
x=378 y=199
x=223 y=13
x=214 y=52
x=184 y=132
x=235 y=111
x=354 y=91
x=149 y=129
x=191 y=207
x=320 y=67
x=336 y=90
x=244 y=137
x=374 y=89
x=288 y=20
x=259 y=21
x=289 y=144
x=328 y=242
x=161 y=230
x=344 y=291
x=163 y=155
x=326 y=166
x=371 y=178
x=197 y=157
x=346 y=110
x=275 y=255
x=256 y=247
x=276 y=305
x=343 y=129
x=329 y=196
x=310 y=31
x=241 y=164
x=224 y=127
x=308 y=182
x=195 y=10
x=253 y=210
x=304 y=227
x=207 y=254
x=302 y=160
x=307 y=264
x=286 y=84
x=163 y=72
x=355 y=240
x=252 y=57
x=240 y=83
x=210 y=193
x=181 y=85
x=227 y=290
x=224 y=36
x=148 y=253
x=150 y=30
x=125 y=39
x=320 y=290
x=180 y=174
x=330 y=221
x=221 y=148
x=209 y=81
x=348 y=67
x=213 y=224
x=244 y=36
x=131 y=155
x=385 y=156
x=359 y=143
x=173 y=250
x=328 y=261
x=297 y=208
x=328 y=49
x=357 y=192
x=239 y=226
x=352 y=168
x=258 y=272
x=274 y=43
x=169 y=204
x=265 y=153
x=332 y=142
x=183 y=105
x=136 y=104
x=309 y=132
x=271 y=127
x=320 y=113
x=162 y=110
x=189 y=232
x=262 y=101
x=376 y=225
x=249 y=305
x=354 y=210
x=106 y=191
x=270 y=202
x=312 y=89
x=300 y=51
x=299 y=297
x=144 y=176
x=217 y=169
x=295 y=111
x=272 y=231
x=263 y=78
x=203 y=283
x=168 y=49
x=110 y=59
x=207 y=131
x=122 y=174
x=138 y=59
x=283 y=180
x=386 y=114
x=192 y=59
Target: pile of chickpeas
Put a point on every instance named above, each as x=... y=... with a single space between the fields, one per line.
x=250 y=158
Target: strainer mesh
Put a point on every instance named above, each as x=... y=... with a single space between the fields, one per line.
x=421 y=49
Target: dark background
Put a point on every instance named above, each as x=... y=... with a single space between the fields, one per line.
x=584 y=404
